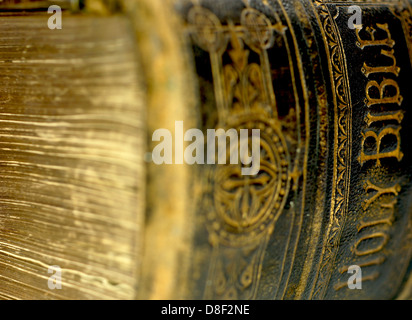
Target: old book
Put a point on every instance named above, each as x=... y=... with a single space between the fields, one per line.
x=86 y=210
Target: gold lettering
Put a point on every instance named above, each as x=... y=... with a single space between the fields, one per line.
x=397 y=98
x=380 y=191
x=367 y=70
x=373 y=262
x=396 y=153
x=385 y=92
x=344 y=284
x=397 y=116
x=376 y=235
x=388 y=220
x=373 y=42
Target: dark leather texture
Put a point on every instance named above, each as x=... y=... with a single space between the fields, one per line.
x=338 y=127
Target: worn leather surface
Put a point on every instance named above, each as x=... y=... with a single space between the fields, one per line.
x=339 y=129
x=334 y=186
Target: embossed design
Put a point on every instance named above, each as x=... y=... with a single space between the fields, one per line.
x=246 y=207
x=243 y=209
x=342 y=152
x=243 y=81
x=236 y=270
x=384 y=212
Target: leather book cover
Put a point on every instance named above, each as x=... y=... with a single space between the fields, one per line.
x=322 y=87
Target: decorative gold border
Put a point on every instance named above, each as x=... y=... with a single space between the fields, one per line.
x=343 y=124
x=342 y=151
